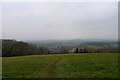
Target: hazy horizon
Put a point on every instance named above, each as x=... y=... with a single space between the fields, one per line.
x=60 y=21
x=64 y=39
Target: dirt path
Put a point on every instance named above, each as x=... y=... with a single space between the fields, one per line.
x=50 y=73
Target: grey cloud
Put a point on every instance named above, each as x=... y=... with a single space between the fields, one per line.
x=41 y=21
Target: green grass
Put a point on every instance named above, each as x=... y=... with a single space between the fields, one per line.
x=0 y=68
x=88 y=66
x=27 y=66
x=101 y=65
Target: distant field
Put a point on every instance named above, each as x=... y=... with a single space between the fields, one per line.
x=101 y=65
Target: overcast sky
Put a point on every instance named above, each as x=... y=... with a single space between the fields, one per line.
x=45 y=21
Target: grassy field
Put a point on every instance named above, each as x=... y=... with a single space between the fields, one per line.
x=101 y=65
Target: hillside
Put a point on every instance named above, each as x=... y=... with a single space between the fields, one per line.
x=91 y=43
x=61 y=66
x=20 y=48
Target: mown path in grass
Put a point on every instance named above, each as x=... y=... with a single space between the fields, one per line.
x=61 y=66
x=33 y=66
x=51 y=69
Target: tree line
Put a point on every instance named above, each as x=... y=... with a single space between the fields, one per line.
x=19 y=48
x=98 y=50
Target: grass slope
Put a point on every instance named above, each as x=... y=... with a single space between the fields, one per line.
x=102 y=65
